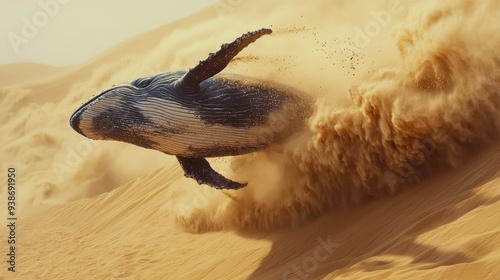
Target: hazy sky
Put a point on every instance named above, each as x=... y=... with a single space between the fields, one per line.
x=69 y=32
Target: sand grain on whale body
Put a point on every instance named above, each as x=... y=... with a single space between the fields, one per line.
x=399 y=165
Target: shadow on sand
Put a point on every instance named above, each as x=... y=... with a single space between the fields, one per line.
x=384 y=233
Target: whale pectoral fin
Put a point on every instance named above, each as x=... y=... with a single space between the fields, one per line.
x=200 y=170
x=216 y=62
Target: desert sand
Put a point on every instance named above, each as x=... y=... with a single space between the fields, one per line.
x=396 y=175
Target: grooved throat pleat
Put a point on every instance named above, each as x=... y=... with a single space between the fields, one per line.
x=177 y=130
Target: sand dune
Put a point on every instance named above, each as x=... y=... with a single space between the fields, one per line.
x=395 y=175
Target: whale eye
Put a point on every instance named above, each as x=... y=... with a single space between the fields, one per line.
x=142 y=83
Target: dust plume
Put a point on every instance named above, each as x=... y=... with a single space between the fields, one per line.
x=405 y=120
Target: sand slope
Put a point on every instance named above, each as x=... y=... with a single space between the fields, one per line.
x=445 y=228
x=395 y=175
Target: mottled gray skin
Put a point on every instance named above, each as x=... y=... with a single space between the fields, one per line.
x=193 y=114
x=223 y=100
